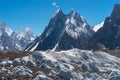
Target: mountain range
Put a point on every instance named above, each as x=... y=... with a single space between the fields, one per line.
x=72 y=31
x=47 y=57
x=66 y=31
x=11 y=40
x=108 y=36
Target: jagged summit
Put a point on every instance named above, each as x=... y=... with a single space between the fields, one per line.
x=4 y=30
x=73 y=12
x=11 y=40
x=58 y=13
x=27 y=29
x=76 y=19
x=109 y=34
x=63 y=32
x=116 y=11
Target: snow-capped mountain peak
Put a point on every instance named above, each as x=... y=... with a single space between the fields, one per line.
x=73 y=12
x=98 y=26
x=76 y=19
x=76 y=25
x=25 y=33
x=27 y=29
x=24 y=37
x=11 y=40
x=61 y=28
x=58 y=12
x=4 y=29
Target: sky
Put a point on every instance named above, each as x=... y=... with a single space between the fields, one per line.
x=35 y=14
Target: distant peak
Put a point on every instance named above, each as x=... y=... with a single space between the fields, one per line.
x=116 y=11
x=117 y=5
x=2 y=23
x=27 y=29
x=73 y=12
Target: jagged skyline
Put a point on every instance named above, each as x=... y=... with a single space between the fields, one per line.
x=37 y=13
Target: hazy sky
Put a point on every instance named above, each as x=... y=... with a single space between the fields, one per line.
x=18 y=14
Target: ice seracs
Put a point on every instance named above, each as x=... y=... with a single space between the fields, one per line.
x=72 y=64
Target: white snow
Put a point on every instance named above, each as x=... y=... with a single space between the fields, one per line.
x=6 y=62
x=35 y=46
x=22 y=70
x=82 y=17
x=5 y=29
x=15 y=40
x=48 y=56
x=41 y=77
x=25 y=34
x=67 y=21
x=76 y=25
x=98 y=61
x=8 y=31
x=98 y=26
x=75 y=31
x=73 y=21
x=55 y=47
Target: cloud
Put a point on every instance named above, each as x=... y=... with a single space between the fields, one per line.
x=55 y=4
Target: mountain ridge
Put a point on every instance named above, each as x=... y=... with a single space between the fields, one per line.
x=109 y=34
x=63 y=32
x=11 y=40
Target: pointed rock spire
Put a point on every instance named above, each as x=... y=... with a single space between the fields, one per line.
x=74 y=14
x=116 y=11
x=58 y=12
x=63 y=32
x=76 y=19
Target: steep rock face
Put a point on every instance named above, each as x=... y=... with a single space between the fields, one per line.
x=63 y=32
x=51 y=34
x=77 y=32
x=108 y=36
